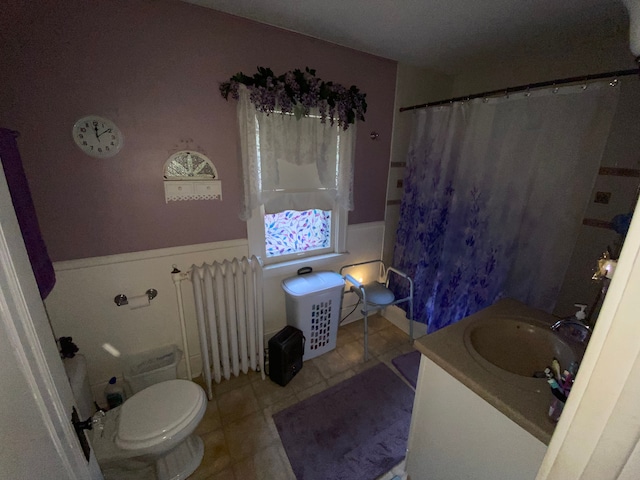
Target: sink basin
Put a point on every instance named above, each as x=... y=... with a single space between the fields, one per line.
x=519 y=346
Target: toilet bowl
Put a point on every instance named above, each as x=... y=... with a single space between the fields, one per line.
x=151 y=434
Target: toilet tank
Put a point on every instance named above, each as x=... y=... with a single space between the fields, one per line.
x=76 y=369
x=148 y=368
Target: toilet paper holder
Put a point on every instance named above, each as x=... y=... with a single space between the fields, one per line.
x=122 y=298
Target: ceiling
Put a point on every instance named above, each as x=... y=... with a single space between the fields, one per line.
x=444 y=35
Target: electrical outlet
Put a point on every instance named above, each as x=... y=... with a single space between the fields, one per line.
x=399 y=183
x=603 y=197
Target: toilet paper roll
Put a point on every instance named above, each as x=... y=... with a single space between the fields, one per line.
x=139 y=302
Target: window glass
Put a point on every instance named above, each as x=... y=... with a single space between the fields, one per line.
x=293 y=231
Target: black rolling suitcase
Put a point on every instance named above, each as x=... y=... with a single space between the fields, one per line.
x=285 y=354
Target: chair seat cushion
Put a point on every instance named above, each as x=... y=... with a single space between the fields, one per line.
x=378 y=294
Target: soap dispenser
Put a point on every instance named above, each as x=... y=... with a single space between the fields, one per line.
x=581 y=314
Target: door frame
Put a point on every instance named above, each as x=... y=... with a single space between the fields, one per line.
x=597 y=435
x=24 y=319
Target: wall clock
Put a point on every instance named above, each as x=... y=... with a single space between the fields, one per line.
x=97 y=136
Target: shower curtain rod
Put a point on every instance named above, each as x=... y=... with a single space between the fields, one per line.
x=522 y=88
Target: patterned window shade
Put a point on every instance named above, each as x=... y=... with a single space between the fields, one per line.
x=294 y=231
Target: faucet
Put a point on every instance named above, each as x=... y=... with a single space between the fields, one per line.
x=575 y=322
x=571 y=321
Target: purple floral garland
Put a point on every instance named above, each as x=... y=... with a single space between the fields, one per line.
x=297 y=92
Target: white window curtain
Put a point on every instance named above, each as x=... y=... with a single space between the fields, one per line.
x=293 y=164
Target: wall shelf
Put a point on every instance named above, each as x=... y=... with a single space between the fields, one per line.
x=190 y=175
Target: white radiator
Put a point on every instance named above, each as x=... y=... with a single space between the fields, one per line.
x=229 y=311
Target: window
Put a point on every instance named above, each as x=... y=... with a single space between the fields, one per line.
x=284 y=229
x=297 y=183
x=293 y=237
x=293 y=232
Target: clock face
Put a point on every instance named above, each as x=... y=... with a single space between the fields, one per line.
x=97 y=136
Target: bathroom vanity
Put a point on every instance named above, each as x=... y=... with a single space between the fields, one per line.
x=478 y=412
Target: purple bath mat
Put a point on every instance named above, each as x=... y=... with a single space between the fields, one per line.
x=408 y=365
x=355 y=430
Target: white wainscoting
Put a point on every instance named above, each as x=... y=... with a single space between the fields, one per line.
x=82 y=303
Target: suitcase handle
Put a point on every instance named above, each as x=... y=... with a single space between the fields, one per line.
x=304 y=270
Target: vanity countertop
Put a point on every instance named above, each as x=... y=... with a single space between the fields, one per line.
x=524 y=400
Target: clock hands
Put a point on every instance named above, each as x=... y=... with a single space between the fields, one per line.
x=98 y=135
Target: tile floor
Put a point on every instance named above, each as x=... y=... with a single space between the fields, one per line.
x=240 y=437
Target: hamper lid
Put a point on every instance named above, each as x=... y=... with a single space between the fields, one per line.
x=312 y=283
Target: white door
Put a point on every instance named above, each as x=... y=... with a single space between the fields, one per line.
x=38 y=439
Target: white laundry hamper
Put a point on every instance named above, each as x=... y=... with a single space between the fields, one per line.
x=313 y=303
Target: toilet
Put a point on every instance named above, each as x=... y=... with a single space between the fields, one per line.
x=150 y=436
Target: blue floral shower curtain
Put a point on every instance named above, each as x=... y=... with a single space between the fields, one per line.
x=494 y=194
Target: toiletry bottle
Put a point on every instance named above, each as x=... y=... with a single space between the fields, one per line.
x=114 y=393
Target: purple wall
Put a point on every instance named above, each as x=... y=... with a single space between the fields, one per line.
x=153 y=67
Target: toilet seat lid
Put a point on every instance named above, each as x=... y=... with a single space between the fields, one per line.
x=158 y=412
